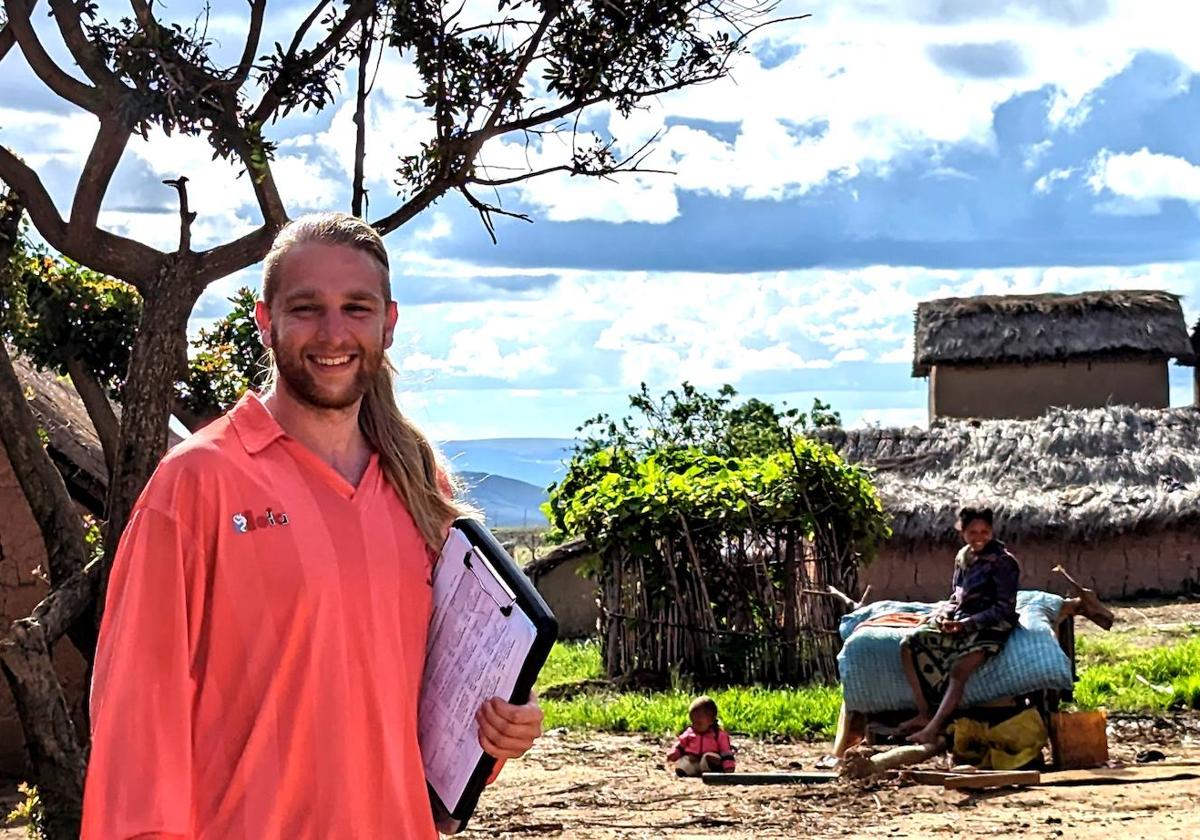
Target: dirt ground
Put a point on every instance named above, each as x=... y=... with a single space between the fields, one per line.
x=575 y=785
x=586 y=785
x=614 y=786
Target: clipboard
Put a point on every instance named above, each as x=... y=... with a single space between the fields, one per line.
x=491 y=583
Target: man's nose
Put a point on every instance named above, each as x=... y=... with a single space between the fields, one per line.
x=332 y=326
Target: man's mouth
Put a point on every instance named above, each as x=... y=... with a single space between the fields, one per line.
x=332 y=361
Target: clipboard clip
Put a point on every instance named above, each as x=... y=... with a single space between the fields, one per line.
x=490 y=582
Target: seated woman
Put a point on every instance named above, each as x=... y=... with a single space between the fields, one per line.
x=941 y=655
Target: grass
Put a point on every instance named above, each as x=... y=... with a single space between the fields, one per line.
x=1116 y=674
x=800 y=713
x=1119 y=675
x=571 y=662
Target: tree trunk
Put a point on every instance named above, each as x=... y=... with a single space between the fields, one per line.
x=57 y=749
x=99 y=409
x=148 y=397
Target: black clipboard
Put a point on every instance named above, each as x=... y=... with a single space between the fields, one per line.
x=515 y=593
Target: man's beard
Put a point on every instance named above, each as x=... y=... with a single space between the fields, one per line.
x=303 y=385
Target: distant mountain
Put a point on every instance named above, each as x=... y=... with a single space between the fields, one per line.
x=536 y=461
x=505 y=502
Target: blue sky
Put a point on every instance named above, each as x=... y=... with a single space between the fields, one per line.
x=873 y=156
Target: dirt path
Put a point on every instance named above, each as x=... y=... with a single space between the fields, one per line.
x=613 y=786
x=1149 y=623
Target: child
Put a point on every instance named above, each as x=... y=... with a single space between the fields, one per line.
x=972 y=626
x=704 y=746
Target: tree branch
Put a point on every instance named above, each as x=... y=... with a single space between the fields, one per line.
x=36 y=200
x=295 y=62
x=6 y=40
x=186 y=216
x=100 y=250
x=102 y=161
x=262 y=181
x=257 y=10
x=62 y=83
x=411 y=208
x=233 y=256
x=66 y=14
x=99 y=409
x=486 y=210
x=358 y=187
x=518 y=75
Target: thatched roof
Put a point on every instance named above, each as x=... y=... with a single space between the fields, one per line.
x=72 y=440
x=1071 y=474
x=1049 y=327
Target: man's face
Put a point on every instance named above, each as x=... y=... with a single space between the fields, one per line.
x=328 y=324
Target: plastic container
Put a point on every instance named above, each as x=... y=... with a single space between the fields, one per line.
x=1079 y=739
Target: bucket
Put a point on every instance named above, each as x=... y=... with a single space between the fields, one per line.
x=1079 y=739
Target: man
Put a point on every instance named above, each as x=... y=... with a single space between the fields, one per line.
x=264 y=637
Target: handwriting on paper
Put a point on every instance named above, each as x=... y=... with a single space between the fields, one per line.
x=474 y=652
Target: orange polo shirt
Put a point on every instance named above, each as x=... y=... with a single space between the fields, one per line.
x=262 y=649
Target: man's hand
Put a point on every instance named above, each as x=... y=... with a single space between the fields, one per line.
x=508 y=731
x=949 y=625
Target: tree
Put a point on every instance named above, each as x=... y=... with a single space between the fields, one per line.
x=523 y=71
x=713 y=423
x=710 y=520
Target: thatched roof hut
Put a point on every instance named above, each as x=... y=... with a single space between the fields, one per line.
x=71 y=439
x=1102 y=485
x=1081 y=475
x=1050 y=327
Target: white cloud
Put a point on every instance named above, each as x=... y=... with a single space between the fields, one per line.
x=892 y=417
x=861 y=93
x=439 y=228
x=1045 y=183
x=1145 y=177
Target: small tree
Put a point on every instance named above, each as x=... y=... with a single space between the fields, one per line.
x=521 y=69
x=711 y=519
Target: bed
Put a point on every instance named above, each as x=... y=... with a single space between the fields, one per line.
x=1037 y=661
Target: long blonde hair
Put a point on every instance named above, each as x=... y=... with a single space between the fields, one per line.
x=409 y=461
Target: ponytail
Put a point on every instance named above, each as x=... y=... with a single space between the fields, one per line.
x=408 y=460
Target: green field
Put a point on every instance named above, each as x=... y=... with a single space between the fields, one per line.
x=1114 y=674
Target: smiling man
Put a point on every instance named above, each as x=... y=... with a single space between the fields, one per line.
x=264 y=637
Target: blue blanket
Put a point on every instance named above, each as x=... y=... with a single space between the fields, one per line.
x=873 y=679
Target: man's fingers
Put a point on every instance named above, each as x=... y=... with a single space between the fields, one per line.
x=501 y=737
x=526 y=714
x=499 y=744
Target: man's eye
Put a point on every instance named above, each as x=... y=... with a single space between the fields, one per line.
x=304 y=307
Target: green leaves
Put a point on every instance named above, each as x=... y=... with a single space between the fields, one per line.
x=709 y=461
x=54 y=310
x=227 y=359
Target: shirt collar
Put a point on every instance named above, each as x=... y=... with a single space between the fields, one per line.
x=254 y=424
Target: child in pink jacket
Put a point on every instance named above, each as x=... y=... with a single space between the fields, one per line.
x=704 y=746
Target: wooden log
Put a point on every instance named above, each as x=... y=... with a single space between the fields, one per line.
x=811 y=778
x=858 y=765
x=1088 y=603
x=1140 y=774
x=985 y=780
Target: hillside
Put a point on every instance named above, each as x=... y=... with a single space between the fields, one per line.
x=505 y=502
x=536 y=461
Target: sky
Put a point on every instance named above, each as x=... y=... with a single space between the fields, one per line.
x=874 y=155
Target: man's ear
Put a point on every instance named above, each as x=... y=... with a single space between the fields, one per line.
x=262 y=317
x=389 y=327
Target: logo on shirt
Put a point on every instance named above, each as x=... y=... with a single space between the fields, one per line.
x=247 y=521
